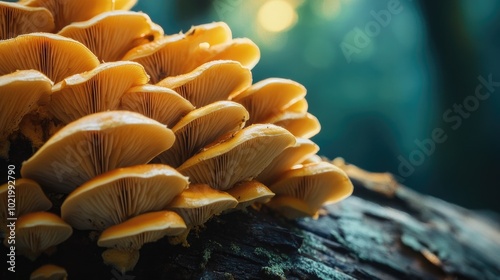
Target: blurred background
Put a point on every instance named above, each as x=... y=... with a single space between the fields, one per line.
x=408 y=87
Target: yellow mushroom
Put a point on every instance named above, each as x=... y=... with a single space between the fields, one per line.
x=95 y=91
x=36 y=232
x=93 y=145
x=55 y=56
x=202 y=126
x=210 y=82
x=118 y=195
x=17 y=19
x=126 y=239
x=240 y=157
x=111 y=35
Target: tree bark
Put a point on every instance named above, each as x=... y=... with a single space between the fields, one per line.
x=380 y=232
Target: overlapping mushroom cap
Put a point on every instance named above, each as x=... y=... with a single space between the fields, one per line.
x=121 y=194
x=93 y=145
x=126 y=97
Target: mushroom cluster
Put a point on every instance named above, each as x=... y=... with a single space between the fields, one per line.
x=145 y=134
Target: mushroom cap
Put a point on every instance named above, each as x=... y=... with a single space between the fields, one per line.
x=93 y=145
x=210 y=82
x=291 y=207
x=303 y=149
x=269 y=98
x=112 y=34
x=66 y=12
x=49 y=272
x=38 y=231
x=56 y=56
x=299 y=124
x=243 y=50
x=250 y=192
x=178 y=54
x=200 y=202
x=142 y=229
x=316 y=184
x=17 y=19
x=121 y=194
x=29 y=197
x=201 y=127
x=240 y=157
x=95 y=91
x=20 y=93
x=158 y=103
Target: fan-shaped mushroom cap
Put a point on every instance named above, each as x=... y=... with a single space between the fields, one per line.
x=178 y=54
x=27 y=197
x=39 y=231
x=299 y=124
x=95 y=144
x=300 y=106
x=158 y=103
x=250 y=192
x=291 y=207
x=128 y=237
x=240 y=157
x=112 y=34
x=199 y=203
x=210 y=82
x=17 y=19
x=316 y=184
x=243 y=50
x=19 y=94
x=291 y=156
x=121 y=194
x=269 y=98
x=49 y=272
x=95 y=91
x=201 y=127
x=66 y=12
x=54 y=55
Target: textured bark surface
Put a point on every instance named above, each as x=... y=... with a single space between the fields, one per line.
x=367 y=236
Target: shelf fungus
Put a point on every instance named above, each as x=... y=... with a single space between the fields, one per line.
x=304 y=189
x=20 y=93
x=202 y=126
x=124 y=240
x=28 y=197
x=39 y=232
x=146 y=134
x=105 y=36
x=181 y=53
x=250 y=193
x=198 y=204
x=270 y=97
x=49 y=272
x=65 y=12
x=93 y=145
x=240 y=156
x=17 y=19
x=55 y=56
x=158 y=103
x=213 y=81
x=95 y=91
x=118 y=195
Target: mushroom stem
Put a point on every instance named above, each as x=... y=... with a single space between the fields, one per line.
x=123 y=260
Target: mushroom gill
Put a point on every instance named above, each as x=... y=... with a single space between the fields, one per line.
x=17 y=19
x=55 y=56
x=93 y=145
